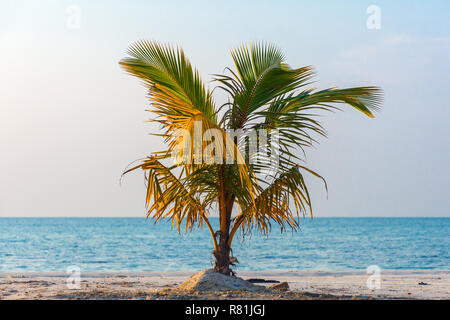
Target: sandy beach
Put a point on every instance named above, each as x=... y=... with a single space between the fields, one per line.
x=411 y=284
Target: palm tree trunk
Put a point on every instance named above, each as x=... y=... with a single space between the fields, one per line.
x=222 y=254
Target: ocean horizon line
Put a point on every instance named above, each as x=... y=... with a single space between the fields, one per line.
x=216 y=217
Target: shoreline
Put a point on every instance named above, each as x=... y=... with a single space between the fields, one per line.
x=395 y=284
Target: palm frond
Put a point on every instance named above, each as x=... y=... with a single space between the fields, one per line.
x=364 y=99
x=262 y=75
x=283 y=201
x=176 y=92
x=179 y=99
x=168 y=197
x=167 y=71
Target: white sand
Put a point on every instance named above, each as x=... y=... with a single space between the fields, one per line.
x=117 y=285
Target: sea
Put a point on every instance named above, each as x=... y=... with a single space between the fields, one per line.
x=137 y=244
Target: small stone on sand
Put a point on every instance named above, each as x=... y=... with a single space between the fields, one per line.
x=283 y=286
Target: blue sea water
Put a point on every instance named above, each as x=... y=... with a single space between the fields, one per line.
x=134 y=244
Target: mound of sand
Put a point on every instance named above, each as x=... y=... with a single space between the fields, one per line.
x=210 y=280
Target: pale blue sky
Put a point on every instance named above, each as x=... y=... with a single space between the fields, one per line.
x=71 y=120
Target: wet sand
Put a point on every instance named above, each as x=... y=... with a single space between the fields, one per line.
x=398 y=284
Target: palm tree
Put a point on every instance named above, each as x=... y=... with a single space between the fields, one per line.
x=264 y=93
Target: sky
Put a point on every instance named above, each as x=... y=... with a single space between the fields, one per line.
x=71 y=120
